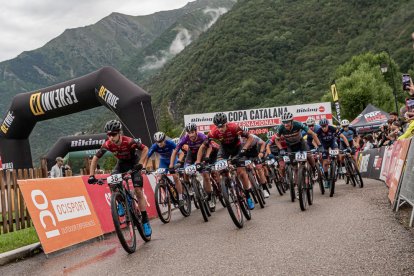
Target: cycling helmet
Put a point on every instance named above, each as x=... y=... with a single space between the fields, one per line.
x=159 y=136
x=220 y=119
x=113 y=126
x=176 y=140
x=344 y=123
x=190 y=127
x=245 y=129
x=286 y=117
x=323 y=122
x=310 y=121
x=270 y=134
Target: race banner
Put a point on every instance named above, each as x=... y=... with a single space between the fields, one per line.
x=101 y=200
x=264 y=117
x=61 y=210
x=335 y=98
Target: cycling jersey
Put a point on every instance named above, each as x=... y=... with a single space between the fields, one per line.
x=294 y=135
x=193 y=146
x=349 y=134
x=256 y=141
x=126 y=154
x=124 y=151
x=327 y=137
x=309 y=138
x=229 y=139
x=164 y=152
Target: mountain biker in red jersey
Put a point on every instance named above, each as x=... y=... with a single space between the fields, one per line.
x=227 y=134
x=125 y=150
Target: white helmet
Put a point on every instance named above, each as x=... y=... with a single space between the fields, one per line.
x=245 y=129
x=176 y=140
x=344 y=123
x=310 y=121
x=159 y=136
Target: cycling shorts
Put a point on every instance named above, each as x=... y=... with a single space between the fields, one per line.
x=124 y=165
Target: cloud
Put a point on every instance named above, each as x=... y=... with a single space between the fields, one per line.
x=182 y=40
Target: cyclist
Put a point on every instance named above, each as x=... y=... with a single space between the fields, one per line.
x=327 y=135
x=125 y=150
x=350 y=133
x=164 y=147
x=257 y=149
x=194 y=140
x=291 y=130
x=310 y=123
x=227 y=134
x=273 y=149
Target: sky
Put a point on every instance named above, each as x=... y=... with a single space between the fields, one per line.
x=27 y=25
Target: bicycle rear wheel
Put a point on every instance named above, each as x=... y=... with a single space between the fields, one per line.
x=232 y=202
x=163 y=202
x=276 y=179
x=123 y=222
x=303 y=201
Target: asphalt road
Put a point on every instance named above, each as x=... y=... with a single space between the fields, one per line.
x=353 y=233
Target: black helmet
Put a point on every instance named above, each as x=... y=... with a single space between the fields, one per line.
x=190 y=127
x=323 y=122
x=113 y=126
x=220 y=119
x=286 y=117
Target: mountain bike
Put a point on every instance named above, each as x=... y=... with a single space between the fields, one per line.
x=217 y=193
x=305 y=180
x=125 y=212
x=233 y=192
x=352 y=171
x=200 y=194
x=319 y=171
x=289 y=176
x=166 y=194
x=257 y=188
x=274 y=175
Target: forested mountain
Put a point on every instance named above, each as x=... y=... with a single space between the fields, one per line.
x=271 y=53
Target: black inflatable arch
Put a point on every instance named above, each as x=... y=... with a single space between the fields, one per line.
x=105 y=87
x=73 y=143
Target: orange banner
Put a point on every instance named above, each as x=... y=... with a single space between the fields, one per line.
x=61 y=210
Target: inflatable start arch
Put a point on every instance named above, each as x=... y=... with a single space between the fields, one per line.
x=105 y=87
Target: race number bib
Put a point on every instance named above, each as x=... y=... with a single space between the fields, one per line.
x=114 y=179
x=301 y=156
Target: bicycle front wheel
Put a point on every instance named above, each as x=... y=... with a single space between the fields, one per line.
x=163 y=202
x=303 y=201
x=123 y=222
x=232 y=203
x=257 y=190
x=332 y=178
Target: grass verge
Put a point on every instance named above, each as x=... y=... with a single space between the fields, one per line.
x=17 y=239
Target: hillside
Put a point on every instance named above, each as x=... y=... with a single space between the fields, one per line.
x=272 y=53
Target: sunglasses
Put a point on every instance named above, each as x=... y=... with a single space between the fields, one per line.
x=112 y=134
x=324 y=126
x=311 y=125
x=286 y=122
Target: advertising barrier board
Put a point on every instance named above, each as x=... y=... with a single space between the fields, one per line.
x=61 y=210
x=101 y=200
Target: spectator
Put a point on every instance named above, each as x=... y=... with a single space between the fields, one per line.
x=383 y=139
x=368 y=142
x=58 y=169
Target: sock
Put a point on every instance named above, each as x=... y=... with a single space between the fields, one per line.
x=180 y=196
x=209 y=196
x=144 y=217
x=326 y=174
